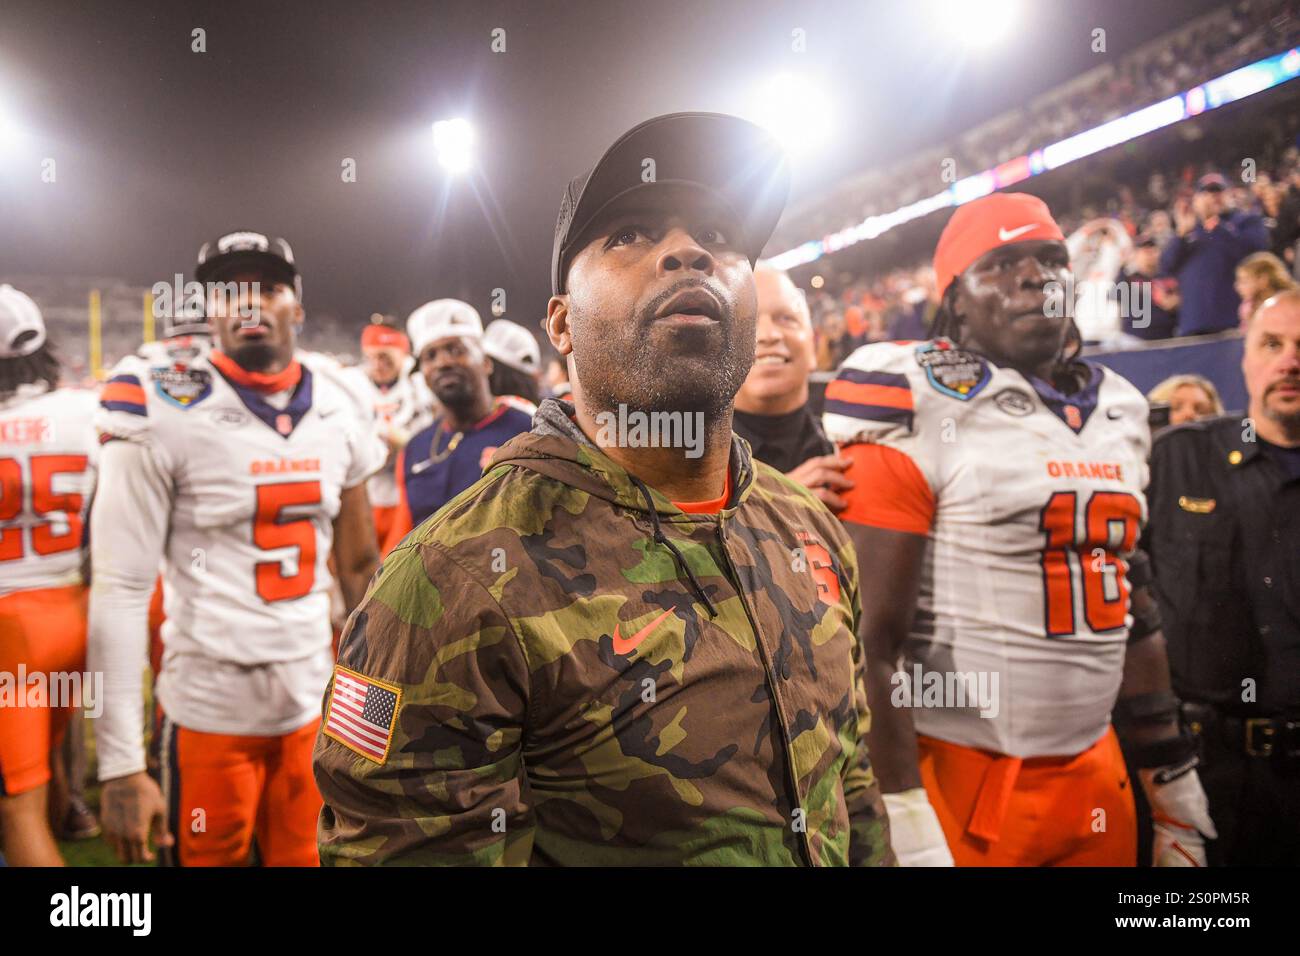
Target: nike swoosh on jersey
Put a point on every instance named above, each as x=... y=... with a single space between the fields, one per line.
x=625 y=645
x=1006 y=235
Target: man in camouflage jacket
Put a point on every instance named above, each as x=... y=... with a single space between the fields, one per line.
x=577 y=662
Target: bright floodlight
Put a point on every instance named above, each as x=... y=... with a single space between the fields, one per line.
x=978 y=23
x=795 y=111
x=453 y=140
x=9 y=133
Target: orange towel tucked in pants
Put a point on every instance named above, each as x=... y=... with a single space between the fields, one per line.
x=997 y=810
x=44 y=630
x=383 y=518
x=156 y=618
x=224 y=791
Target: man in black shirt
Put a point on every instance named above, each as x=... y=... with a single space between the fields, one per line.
x=772 y=412
x=1224 y=541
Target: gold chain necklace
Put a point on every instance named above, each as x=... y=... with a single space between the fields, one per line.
x=439 y=457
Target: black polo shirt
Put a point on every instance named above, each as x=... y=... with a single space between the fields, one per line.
x=783 y=441
x=1224 y=541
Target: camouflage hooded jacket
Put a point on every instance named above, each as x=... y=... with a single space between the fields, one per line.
x=579 y=673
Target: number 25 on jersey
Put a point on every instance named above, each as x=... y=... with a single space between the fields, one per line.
x=66 y=506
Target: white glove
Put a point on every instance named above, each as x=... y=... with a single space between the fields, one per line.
x=1180 y=817
x=914 y=830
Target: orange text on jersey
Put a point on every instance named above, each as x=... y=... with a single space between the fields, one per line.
x=283 y=466
x=1110 y=471
x=24 y=431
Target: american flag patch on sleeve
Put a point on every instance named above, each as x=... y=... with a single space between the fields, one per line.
x=362 y=713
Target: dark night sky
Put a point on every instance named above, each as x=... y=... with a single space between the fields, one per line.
x=159 y=148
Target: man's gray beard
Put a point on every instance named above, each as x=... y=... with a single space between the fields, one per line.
x=1288 y=420
x=645 y=382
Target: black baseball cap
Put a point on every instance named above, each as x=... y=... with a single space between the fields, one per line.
x=247 y=249
x=1211 y=182
x=732 y=158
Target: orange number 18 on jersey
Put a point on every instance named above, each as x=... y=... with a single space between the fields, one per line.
x=1110 y=524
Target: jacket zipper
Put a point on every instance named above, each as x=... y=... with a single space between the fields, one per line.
x=772 y=678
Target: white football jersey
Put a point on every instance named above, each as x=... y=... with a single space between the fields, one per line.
x=400 y=410
x=1038 y=500
x=253 y=486
x=47 y=472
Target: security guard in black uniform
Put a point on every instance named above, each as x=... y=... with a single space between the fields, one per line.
x=1224 y=543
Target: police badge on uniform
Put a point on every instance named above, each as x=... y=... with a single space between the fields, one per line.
x=955 y=372
x=182 y=386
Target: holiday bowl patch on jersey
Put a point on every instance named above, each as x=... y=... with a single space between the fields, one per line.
x=954 y=372
x=181 y=385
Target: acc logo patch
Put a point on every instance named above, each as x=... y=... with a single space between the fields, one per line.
x=183 y=387
x=1014 y=402
x=230 y=417
x=952 y=371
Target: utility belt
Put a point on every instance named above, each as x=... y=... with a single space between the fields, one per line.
x=1264 y=738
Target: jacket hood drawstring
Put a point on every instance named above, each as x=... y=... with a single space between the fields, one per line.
x=661 y=538
x=557 y=448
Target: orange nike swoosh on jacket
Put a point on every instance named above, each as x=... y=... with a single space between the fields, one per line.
x=628 y=644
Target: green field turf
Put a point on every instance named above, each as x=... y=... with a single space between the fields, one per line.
x=95 y=852
x=89 y=852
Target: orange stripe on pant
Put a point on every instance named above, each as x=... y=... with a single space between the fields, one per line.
x=44 y=630
x=997 y=810
x=226 y=790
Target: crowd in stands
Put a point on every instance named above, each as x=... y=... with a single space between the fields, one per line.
x=1211 y=249
x=1164 y=241
x=1221 y=41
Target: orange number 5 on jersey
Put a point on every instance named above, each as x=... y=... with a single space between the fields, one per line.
x=270 y=530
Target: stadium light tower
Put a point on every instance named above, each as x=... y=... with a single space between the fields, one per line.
x=977 y=23
x=453 y=141
x=794 y=110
